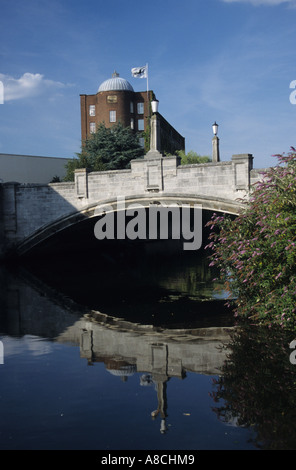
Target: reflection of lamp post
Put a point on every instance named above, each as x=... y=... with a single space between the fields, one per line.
x=162 y=404
x=215 y=144
x=155 y=131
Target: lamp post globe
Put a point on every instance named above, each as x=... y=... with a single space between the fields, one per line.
x=154 y=106
x=215 y=128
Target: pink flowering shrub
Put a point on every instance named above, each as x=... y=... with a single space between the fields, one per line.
x=256 y=252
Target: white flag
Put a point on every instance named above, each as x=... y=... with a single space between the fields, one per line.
x=139 y=72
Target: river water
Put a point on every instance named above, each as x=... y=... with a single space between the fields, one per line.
x=136 y=352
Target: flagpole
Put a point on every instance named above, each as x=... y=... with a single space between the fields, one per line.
x=147 y=82
x=148 y=90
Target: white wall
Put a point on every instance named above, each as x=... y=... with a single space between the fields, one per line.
x=31 y=169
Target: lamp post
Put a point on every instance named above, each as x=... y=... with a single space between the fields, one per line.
x=215 y=144
x=155 y=131
x=154 y=106
x=215 y=128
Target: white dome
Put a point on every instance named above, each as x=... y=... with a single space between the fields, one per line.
x=124 y=371
x=115 y=83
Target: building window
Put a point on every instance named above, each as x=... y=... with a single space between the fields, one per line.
x=140 y=124
x=92 y=127
x=140 y=108
x=132 y=123
x=92 y=110
x=131 y=107
x=112 y=116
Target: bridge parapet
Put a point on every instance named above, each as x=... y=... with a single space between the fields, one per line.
x=230 y=180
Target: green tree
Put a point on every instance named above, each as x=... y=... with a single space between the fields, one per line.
x=106 y=149
x=192 y=157
x=256 y=252
x=55 y=179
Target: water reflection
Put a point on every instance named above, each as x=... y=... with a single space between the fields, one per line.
x=144 y=288
x=157 y=354
x=121 y=319
x=32 y=310
x=257 y=386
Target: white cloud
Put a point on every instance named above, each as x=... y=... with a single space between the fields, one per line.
x=27 y=86
x=264 y=2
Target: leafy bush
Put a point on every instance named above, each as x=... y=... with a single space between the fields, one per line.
x=256 y=252
x=192 y=157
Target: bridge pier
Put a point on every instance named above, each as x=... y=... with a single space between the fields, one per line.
x=8 y=214
x=81 y=182
x=242 y=166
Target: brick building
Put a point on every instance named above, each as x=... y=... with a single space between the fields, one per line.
x=116 y=101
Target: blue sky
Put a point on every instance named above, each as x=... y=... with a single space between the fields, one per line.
x=230 y=61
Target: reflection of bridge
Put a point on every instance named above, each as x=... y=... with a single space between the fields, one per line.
x=31 y=307
x=31 y=213
x=157 y=354
x=126 y=349
x=167 y=353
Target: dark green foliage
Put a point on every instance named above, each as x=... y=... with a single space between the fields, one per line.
x=192 y=157
x=55 y=179
x=256 y=252
x=106 y=149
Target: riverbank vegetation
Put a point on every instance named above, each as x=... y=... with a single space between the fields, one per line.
x=256 y=251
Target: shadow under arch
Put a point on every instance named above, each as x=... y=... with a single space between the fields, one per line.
x=91 y=211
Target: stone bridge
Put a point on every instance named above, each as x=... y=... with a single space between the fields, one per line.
x=31 y=213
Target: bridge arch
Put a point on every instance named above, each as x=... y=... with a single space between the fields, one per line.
x=92 y=210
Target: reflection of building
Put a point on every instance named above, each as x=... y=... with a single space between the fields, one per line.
x=116 y=101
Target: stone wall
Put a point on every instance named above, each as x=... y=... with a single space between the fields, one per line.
x=27 y=208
